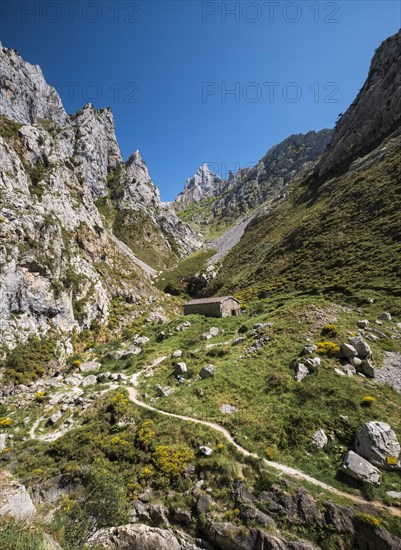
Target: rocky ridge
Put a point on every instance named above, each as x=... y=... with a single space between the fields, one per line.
x=61 y=265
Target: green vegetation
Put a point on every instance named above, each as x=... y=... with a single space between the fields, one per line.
x=338 y=238
x=9 y=128
x=17 y=535
x=175 y=281
x=30 y=361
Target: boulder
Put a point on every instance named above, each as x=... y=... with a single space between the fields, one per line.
x=363 y=323
x=3 y=442
x=103 y=377
x=177 y=354
x=354 y=361
x=140 y=340
x=347 y=350
x=72 y=381
x=361 y=346
x=394 y=494
x=348 y=369
x=164 y=391
x=206 y=451
x=367 y=368
x=14 y=498
x=90 y=366
x=226 y=408
x=301 y=371
x=54 y=418
x=312 y=363
x=238 y=340
x=385 y=316
x=377 y=442
x=319 y=439
x=203 y=504
x=207 y=371
x=180 y=368
x=358 y=468
x=160 y=336
x=214 y=331
x=89 y=380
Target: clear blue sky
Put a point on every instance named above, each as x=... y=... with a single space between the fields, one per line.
x=164 y=66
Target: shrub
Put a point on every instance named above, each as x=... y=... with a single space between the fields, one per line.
x=369 y=519
x=329 y=330
x=146 y=434
x=327 y=348
x=368 y=401
x=39 y=397
x=171 y=461
x=5 y=422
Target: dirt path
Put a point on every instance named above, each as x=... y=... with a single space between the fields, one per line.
x=292 y=472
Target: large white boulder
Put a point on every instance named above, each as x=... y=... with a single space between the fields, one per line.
x=378 y=443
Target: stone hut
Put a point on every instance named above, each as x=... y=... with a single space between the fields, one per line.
x=220 y=306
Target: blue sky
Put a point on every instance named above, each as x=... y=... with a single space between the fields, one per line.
x=191 y=81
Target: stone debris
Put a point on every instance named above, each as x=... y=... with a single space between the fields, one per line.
x=207 y=371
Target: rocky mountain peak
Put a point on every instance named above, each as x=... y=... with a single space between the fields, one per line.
x=96 y=147
x=25 y=96
x=138 y=185
x=204 y=183
x=373 y=115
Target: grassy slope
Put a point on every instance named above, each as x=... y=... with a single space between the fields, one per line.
x=343 y=238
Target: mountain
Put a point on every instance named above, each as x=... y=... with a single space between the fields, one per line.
x=209 y=201
x=338 y=230
x=201 y=185
x=63 y=266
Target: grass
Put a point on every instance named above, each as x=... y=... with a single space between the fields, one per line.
x=341 y=238
x=17 y=535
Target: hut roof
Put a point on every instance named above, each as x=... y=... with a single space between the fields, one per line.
x=213 y=300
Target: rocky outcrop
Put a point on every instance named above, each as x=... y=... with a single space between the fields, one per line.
x=96 y=151
x=24 y=94
x=144 y=537
x=201 y=185
x=373 y=115
x=15 y=500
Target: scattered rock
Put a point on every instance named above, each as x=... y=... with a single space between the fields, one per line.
x=319 y=439
x=54 y=418
x=214 y=331
x=103 y=377
x=394 y=494
x=349 y=370
x=177 y=353
x=73 y=381
x=372 y=337
x=378 y=322
x=164 y=391
x=376 y=442
x=14 y=498
x=207 y=371
x=183 y=326
x=367 y=368
x=390 y=372
x=204 y=502
x=238 y=340
x=363 y=323
x=340 y=372
x=354 y=361
x=180 y=368
x=206 y=451
x=309 y=349
x=140 y=340
x=385 y=316
x=89 y=380
x=312 y=363
x=226 y=408
x=3 y=442
x=90 y=366
x=301 y=371
x=358 y=468
x=347 y=350
x=160 y=336
x=361 y=346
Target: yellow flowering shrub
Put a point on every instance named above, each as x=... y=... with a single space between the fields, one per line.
x=146 y=434
x=367 y=518
x=5 y=422
x=172 y=461
x=368 y=401
x=327 y=348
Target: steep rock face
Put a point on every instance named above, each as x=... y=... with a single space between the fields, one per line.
x=374 y=114
x=250 y=187
x=96 y=150
x=201 y=185
x=150 y=227
x=24 y=94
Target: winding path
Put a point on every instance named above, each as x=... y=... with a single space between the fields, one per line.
x=292 y=472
